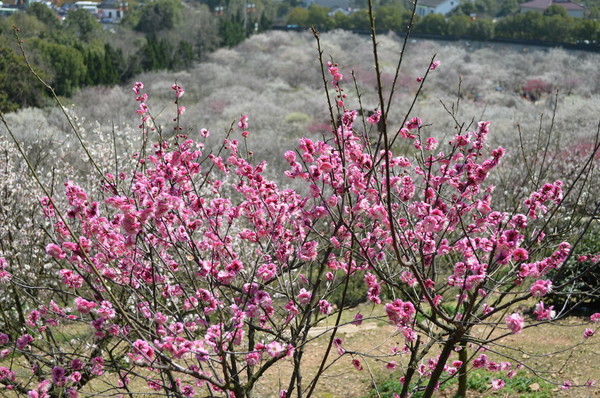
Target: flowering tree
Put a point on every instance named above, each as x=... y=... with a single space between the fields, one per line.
x=192 y=274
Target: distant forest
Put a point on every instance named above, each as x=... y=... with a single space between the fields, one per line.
x=172 y=35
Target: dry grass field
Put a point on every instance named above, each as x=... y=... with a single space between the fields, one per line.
x=545 y=349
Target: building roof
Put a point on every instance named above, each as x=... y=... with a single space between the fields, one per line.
x=569 y=5
x=543 y=4
x=431 y=3
x=537 y=4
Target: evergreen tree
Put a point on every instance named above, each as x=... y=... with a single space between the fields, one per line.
x=44 y=15
x=183 y=57
x=155 y=54
x=159 y=15
x=18 y=86
x=231 y=31
x=115 y=65
x=67 y=66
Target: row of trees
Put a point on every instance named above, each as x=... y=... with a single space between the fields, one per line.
x=553 y=26
x=389 y=17
x=488 y=8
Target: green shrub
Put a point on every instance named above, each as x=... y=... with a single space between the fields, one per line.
x=589 y=283
x=478 y=382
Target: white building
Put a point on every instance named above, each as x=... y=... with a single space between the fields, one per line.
x=89 y=6
x=426 y=7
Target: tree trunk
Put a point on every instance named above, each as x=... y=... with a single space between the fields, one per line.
x=462 y=371
x=439 y=368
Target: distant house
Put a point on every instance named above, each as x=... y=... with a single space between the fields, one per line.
x=89 y=6
x=112 y=11
x=573 y=9
x=7 y=11
x=426 y=7
x=345 y=11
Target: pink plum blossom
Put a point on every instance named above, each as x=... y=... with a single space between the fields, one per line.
x=497 y=384
x=541 y=288
x=515 y=323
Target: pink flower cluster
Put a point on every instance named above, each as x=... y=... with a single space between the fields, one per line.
x=537 y=201
x=543 y=313
x=334 y=71
x=400 y=313
x=541 y=288
x=515 y=323
x=5 y=276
